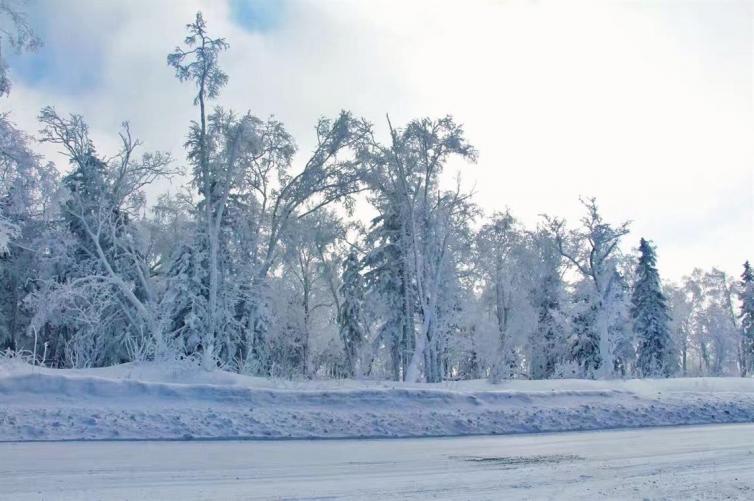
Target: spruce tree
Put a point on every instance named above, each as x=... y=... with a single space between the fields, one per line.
x=649 y=312
x=387 y=281
x=547 y=340
x=185 y=300
x=747 y=318
x=585 y=338
x=350 y=318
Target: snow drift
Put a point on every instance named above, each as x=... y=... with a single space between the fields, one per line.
x=169 y=401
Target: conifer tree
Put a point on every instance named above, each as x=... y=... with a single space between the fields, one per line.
x=547 y=340
x=585 y=338
x=387 y=282
x=350 y=319
x=747 y=319
x=649 y=312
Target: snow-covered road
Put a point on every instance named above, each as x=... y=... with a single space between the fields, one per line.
x=702 y=462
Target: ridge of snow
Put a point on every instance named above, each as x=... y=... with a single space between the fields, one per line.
x=181 y=401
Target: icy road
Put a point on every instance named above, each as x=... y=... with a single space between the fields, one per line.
x=702 y=462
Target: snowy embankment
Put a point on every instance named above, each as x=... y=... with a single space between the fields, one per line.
x=150 y=401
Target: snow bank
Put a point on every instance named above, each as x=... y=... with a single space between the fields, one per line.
x=178 y=401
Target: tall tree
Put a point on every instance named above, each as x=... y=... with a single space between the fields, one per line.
x=351 y=317
x=27 y=186
x=584 y=341
x=621 y=335
x=547 y=343
x=502 y=254
x=682 y=307
x=747 y=319
x=389 y=286
x=198 y=62
x=405 y=175
x=592 y=250
x=649 y=312
x=111 y=274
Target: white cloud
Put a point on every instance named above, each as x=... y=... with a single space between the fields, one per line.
x=647 y=106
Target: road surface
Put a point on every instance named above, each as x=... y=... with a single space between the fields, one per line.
x=702 y=462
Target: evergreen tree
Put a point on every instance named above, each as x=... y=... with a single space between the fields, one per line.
x=548 y=339
x=185 y=300
x=585 y=338
x=388 y=284
x=350 y=319
x=747 y=319
x=650 y=315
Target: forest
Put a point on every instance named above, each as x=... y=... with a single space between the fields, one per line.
x=362 y=261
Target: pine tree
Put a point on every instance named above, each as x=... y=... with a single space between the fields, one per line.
x=585 y=338
x=649 y=312
x=350 y=319
x=747 y=318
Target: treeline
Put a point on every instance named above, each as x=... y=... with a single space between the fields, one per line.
x=261 y=267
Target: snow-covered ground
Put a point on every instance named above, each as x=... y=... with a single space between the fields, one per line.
x=177 y=401
x=707 y=462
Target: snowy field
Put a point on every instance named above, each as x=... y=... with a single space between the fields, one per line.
x=149 y=401
x=706 y=462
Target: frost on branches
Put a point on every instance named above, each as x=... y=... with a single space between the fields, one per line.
x=360 y=258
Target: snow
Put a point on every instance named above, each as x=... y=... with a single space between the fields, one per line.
x=707 y=462
x=181 y=401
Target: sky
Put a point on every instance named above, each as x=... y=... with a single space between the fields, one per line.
x=646 y=106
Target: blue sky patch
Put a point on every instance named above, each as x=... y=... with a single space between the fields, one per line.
x=257 y=15
x=70 y=61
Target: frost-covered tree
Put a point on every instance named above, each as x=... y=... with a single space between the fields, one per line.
x=260 y=265
x=593 y=250
x=649 y=312
x=716 y=329
x=620 y=332
x=747 y=319
x=547 y=343
x=584 y=340
x=242 y=170
x=110 y=280
x=505 y=261
x=307 y=261
x=713 y=336
x=351 y=316
x=681 y=308
x=389 y=287
x=198 y=62
x=404 y=177
x=27 y=187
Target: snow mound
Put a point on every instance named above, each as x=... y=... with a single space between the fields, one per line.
x=182 y=401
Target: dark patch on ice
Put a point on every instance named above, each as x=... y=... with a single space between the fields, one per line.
x=513 y=461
